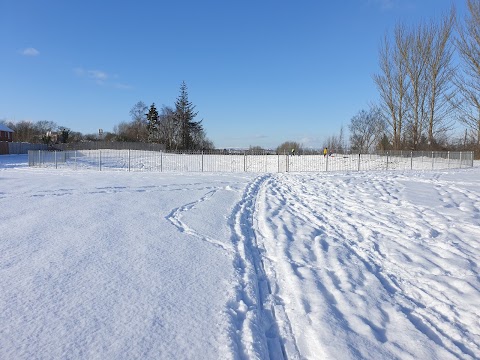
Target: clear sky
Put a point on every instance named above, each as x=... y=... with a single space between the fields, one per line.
x=260 y=72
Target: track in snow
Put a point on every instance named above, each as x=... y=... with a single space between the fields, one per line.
x=356 y=270
x=254 y=310
x=175 y=218
x=256 y=334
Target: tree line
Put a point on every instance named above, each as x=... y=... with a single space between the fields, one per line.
x=422 y=92
x=175 y=127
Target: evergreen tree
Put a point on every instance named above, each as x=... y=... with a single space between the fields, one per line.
x=152 y=123
x=64 y=135
x=184 y=117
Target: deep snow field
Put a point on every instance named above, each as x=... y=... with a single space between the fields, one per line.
x=345 y=265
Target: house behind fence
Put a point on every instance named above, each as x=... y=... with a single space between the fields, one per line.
x=16 y=148
x=6 y=134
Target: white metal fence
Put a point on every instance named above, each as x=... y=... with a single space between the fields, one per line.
x=138 y=160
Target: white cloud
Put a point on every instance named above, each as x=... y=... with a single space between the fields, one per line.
x=100 y=77
x=30 y=52
x=97 y=75
x=122 y=86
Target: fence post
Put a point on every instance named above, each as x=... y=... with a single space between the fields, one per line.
x=448 y=159
x=161 y=161
x=433 y=160
x=202 y=160
x=128 y=159
x=100 y=160
x=359 y=161
x=55 y=157
x=411 y=160
x=387 y=160
x=75 y=159
x=460 y=159
x=278 y=162
x=244 y=161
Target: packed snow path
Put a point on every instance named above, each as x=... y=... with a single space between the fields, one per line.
x=372 y=267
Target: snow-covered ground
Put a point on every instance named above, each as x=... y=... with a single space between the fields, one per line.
x=352 y=265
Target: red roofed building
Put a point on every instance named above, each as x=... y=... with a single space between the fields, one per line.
x=6 y=134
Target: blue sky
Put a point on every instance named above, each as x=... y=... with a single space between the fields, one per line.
x=259 y=72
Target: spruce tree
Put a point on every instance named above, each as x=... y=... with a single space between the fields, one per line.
x=184 y=116
x=152 y=123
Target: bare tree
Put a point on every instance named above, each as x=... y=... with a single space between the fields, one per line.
x=393 y=85
x=440 y=75
x=289 y=147
x=44 y=126
x=414 y=47
x=367 y=130
x=468 y=81
x=415 y=83
x=169 y=132
x=25 y=131
x=125 y=132
x=333 y=143
x=138 y=126
x=341 y=141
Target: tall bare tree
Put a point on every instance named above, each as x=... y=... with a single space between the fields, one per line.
x=393 y=85
x=440 y=75
x=468 y=80
x=414 y=47
x=415 y=83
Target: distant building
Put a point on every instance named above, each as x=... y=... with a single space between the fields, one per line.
x=53 y=136
x=6 y=134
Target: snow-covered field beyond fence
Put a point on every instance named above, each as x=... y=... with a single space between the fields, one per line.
x=157 y=161
x=144 y=265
